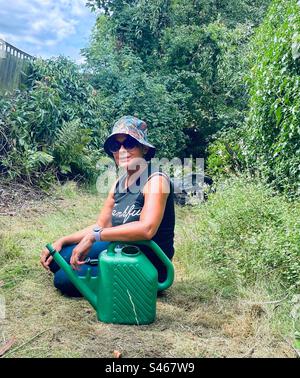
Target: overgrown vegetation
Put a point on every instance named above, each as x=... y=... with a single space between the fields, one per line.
x=190 y=68
x=273 y=138
x=178 y=64
x=269 y=140
x=51 y=129
x=245 y=234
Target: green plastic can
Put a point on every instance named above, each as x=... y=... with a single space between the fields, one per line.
x=125 y=291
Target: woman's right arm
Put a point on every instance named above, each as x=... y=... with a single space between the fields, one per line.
x=104 y=220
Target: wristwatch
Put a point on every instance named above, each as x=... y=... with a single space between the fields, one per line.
x=97 y=233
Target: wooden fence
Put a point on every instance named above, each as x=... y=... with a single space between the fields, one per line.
x=13 y=66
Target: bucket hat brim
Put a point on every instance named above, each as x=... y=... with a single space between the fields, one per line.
x=127 y=126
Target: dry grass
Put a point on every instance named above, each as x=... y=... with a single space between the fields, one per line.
x=193 y=318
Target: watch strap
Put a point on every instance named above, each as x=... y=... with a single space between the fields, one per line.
x=97 y=233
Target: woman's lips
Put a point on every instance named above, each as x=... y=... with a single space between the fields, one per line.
x=124 y=159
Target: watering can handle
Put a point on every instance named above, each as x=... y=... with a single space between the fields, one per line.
x=159 y=253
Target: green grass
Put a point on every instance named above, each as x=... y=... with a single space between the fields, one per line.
x=210 y=311
x=244 y=243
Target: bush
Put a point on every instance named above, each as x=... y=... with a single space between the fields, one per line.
x=225 y=153
x=272 y=132
x=176 y=64
x=50 y=129
x=245 y=233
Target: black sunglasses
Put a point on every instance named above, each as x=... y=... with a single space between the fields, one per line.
x=129 y=144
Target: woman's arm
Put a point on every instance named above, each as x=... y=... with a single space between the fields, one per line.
x=104 y=220
x=156 y=192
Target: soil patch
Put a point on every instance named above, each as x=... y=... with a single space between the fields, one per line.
x=15 y=197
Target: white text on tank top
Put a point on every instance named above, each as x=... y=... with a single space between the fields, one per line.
x=127 y=213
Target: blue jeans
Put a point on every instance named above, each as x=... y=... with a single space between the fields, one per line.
x=62 y=282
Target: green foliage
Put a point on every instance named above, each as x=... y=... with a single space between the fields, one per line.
x=124 y=87
x=176 y=64
x=226 y=154
x=272 y=132
x=71 y=151
x=26 y=162
x=50 y=128
x=269 y=140
x=245 y=233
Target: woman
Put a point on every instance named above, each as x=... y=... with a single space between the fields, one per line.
x=140 y=206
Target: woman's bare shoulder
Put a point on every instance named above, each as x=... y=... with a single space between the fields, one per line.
x=158 y=182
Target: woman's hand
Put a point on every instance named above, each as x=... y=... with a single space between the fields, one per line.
x=81 y=250
x=46 y=258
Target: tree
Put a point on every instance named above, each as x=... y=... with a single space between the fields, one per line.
x=193 y=50
x=272 y=132
x=51 y=128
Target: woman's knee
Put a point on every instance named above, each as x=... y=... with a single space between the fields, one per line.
x=66 y=253
x=64 y=285
x=97 y=248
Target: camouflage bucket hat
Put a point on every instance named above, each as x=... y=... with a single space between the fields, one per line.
x=134 y=127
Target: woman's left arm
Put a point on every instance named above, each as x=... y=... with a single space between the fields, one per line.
x=156 y=192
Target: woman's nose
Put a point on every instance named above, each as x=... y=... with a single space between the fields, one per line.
x=122 y=148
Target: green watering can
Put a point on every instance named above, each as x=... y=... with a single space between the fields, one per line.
x=125 y=290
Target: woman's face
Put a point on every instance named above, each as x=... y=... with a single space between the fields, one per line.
x=126 y=158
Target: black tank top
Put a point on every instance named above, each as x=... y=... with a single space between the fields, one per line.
x=129 y=203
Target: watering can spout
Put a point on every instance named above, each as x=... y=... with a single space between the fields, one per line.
x=73 y=277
